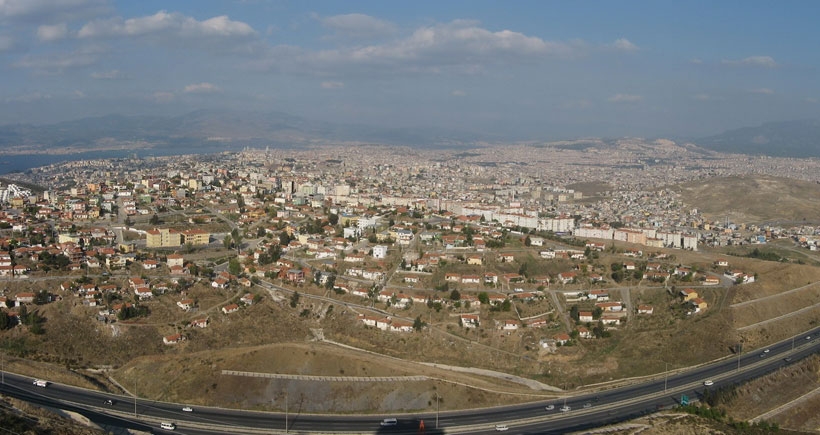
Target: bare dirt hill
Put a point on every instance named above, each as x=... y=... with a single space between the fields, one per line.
x=754 y=199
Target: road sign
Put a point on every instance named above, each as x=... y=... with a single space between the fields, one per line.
x=684 y=400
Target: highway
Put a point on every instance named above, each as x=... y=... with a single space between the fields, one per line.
x=604 y=407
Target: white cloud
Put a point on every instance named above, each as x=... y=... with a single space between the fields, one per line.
x=201 y=88
x=624 y=44
x=358 y=26
x=761 y=61
x=78 y=94
x=810 y=100
x=52 y=33
x=762 y=91
x=458 y=93
x=113 y=74
x=55 y=63
x=164 y=25
x=162 y=97
x=460 y=44
x=28 y=98
x=332 y=85
x=696 y=61
x=625 y=98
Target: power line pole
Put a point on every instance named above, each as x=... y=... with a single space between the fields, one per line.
x=286 y=412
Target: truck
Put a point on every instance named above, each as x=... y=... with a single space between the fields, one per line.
x=40 y=383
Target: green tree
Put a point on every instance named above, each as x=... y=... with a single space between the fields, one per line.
x=237 y=237
x=154 y=220
x=418 y=324
x=294 y=300
x=227 y=241
x=234 y=267
x=455 y=295
x=484 y=298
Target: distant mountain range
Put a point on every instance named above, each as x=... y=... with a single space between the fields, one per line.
x=778 y=139
x=218 y=130
x=204 y=130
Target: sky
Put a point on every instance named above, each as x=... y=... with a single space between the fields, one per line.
x=541 y=70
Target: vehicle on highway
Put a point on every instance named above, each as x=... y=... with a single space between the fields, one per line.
x=188 y=409
x=167 y=426
x=501 y=428
x=566 y=408
x=708 y=383
x=109 y=402
x=549 y=407
x=40 y=383
x=763 y=355
x=787 y=359
x=389 y=422
x=766 y=351
x=808 y=337
x=587 y=405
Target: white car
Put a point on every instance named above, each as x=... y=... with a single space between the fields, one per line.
x=389 y=422
x=767 y=351
x=501 y=428
x=708 y=383
x=550 y=407
x=188 y=409
x=566 y=408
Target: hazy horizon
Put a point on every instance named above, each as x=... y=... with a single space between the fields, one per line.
x=518 y=70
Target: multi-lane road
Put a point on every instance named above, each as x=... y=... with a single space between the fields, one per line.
x=587 y=410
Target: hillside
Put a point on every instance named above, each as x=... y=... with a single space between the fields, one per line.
x=782 y=139
x=754 y=199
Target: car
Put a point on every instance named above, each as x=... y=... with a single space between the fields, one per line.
x=708 y=383
x=587 y=405
x=109 y=402
x=188 y=409
x=766 y=351
x=808 y=337
x=167 y=426
x=763 y=355
x=566 y=408
x=787 y=359
x=389 y=422
x=501 y=428
x=549 y=407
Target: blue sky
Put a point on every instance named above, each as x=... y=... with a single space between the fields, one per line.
x=519 y=70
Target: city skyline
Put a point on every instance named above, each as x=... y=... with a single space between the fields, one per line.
x=524 y=70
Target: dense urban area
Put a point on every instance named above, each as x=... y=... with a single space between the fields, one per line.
x=539 y=264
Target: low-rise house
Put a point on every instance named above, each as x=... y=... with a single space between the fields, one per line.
x=610 y=306
x=185 y=304
x=585 y=316
x=645 y=309
x=470 y=279
x=173 y=339
x=247 y=299
x=508 y=325
x=199 y=323
x=610 y=319
x=688 y=294
x=561 y=338
x=228 y=309
x=711 y=280
x=583 y=332
x=469 y=320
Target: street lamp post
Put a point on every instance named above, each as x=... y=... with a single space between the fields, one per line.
x=665 y=376
x=437 y=408
x=286 y=412
x=135 y=394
